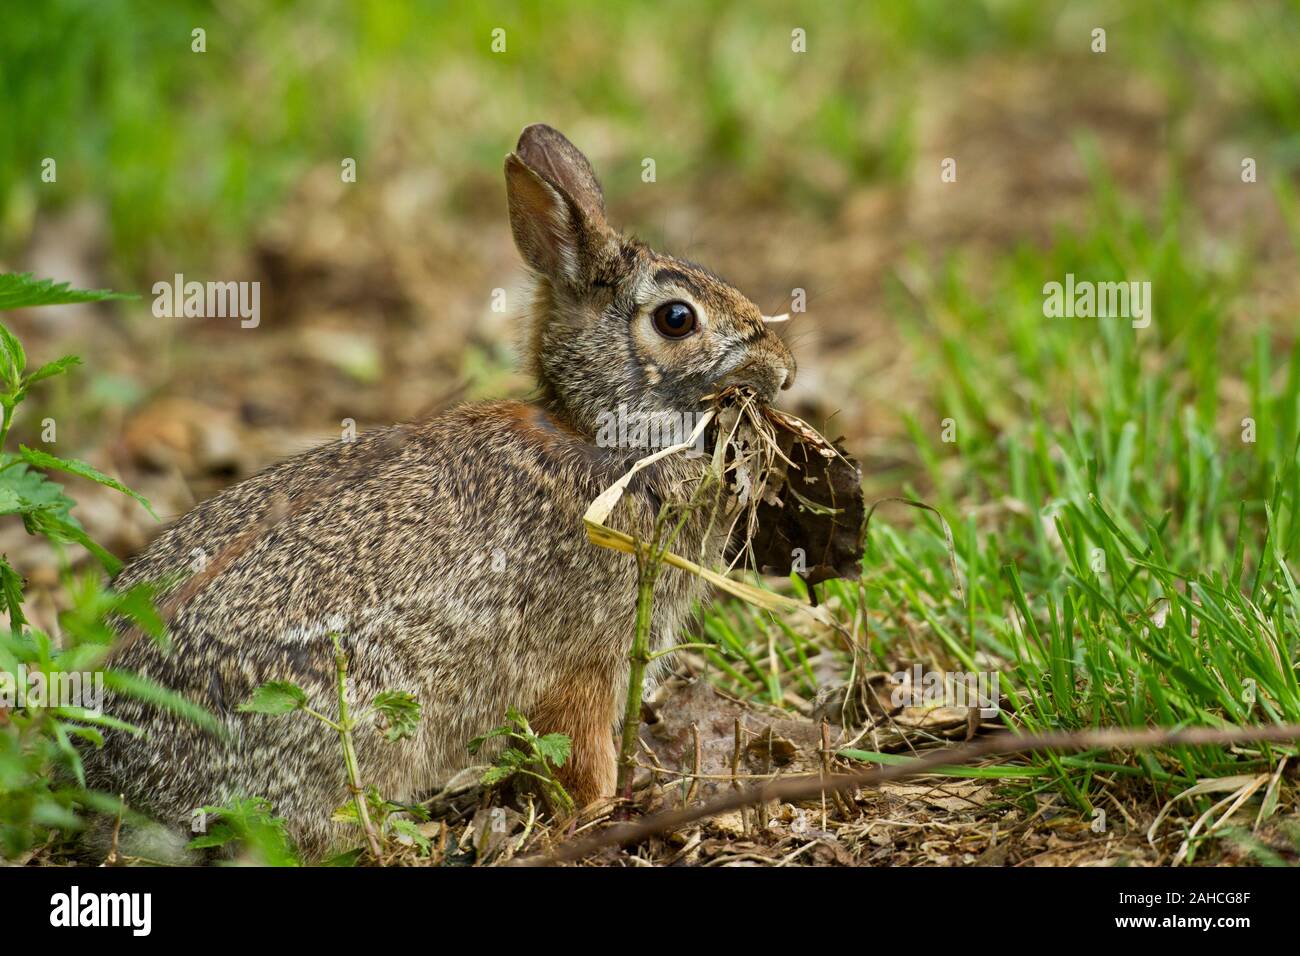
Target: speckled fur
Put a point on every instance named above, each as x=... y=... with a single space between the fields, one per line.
x=398 y=557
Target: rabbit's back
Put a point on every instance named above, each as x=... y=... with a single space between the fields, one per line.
x=450 y=556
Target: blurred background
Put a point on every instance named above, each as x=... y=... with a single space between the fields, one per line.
x=782 y=170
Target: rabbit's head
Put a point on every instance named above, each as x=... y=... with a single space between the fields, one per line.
x=616 y=325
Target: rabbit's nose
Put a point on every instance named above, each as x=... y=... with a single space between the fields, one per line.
x=783 y=363
x=765 y=378
x=783 y=367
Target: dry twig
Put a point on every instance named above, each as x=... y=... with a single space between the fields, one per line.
x=809 y=787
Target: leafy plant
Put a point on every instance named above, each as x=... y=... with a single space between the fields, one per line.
x=395 y=713
x=393 y=820
x=531 y=755
x=248 y=823
x=42 y=781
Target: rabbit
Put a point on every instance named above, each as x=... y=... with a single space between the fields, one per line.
x=449 y=554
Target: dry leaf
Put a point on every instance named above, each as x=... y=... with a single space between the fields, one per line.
x=815 y=526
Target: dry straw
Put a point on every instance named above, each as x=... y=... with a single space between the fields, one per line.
x=746 y=452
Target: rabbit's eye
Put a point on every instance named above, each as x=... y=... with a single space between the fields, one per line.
x=674 y=320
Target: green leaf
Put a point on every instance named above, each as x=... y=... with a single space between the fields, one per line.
x=137 y=603
x=219 y=835
x=93 y=618
x=250 y=823
x=496 y=774
x=476 y=743
x=411 y=830
x=346 y=814
x=105 y=720
x=66 y=529
x=51 y=814
x=50 y=369
x=33 y=491
x=513 y=757
x=275 y=697
x=126 y=682
x=14 y=358
x=999 y=772
x=46 y=510
x=87 y=733
x=555 y=748
x=22 y=291
x=400 y=710
x=40 y=459
x=70 y=754
x=11 y=584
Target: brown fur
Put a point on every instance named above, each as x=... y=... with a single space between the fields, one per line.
x=582 y=706
x=449 y=554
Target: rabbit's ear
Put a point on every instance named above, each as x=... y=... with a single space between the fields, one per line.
x=557 y=211
x=549 y=153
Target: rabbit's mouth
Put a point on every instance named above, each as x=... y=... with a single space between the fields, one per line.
x=762 y=378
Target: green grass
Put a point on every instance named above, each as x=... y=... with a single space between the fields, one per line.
x=189 y=152
x=1127 y=558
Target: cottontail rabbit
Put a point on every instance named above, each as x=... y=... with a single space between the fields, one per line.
x=449 y=554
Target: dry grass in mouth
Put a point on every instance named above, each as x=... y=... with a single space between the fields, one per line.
x=765 y=481
x=741 y=478
x=798 y=494
x=748 y=461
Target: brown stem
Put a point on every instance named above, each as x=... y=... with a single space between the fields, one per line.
x=694 y=789
x=826 y=763
x=735 y=774
x=792 y=789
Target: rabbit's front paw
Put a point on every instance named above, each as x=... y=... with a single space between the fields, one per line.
x=591 y=771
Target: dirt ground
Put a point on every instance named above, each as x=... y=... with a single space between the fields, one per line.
x=699 y=743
